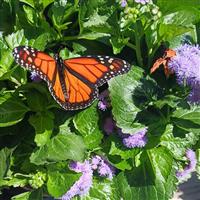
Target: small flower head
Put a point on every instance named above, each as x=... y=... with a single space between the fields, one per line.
x=82 y=186
x=186 y=65
x=123 y=3
x=34 y=77
x=137 y=139
x=102 y=105
x=142 y=1
x=103 y=167
x=191 y=156
x=109 y=125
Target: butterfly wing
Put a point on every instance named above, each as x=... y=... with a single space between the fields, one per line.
x=36 y=61
x=97 y=69
x=83 y=76
x=81 y=95
x=74 y=82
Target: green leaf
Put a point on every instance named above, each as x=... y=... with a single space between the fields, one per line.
x=102 y=189
x=154 y=179
x=170 y=100
x=78 y=48
x=36 y=100
x=177 y=145
x=5 y=155
x=98 y=16
x=60 y=147
x=187 y=119
x=60 y=182
x=5 y=61
x=43 y=125
x=175 y=5
x=183 y=17
x=86 y=122
x=37 y=194
x=123 y=187
x=61 y=14
x=118 y=149
x=92 y=35
x=8 y=11
x=30 y=15
x=12 y=111
x=169 y=31
x=41 y=41
x=46 y=3
x=122 y=90
x=16 y=39
x=118 y=44
x=29 y=2
x=14 y=182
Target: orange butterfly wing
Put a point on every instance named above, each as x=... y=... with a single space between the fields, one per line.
x=36 y=61
x=74 y=82
x=97 y=69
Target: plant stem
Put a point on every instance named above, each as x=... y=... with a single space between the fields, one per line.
x=132 y=46
x=138 y=45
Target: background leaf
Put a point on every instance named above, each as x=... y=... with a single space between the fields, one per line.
x=86 y=122
x=123 y=108
x=12 y=111
x=60 y=147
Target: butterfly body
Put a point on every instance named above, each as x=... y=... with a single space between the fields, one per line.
x=73 y=82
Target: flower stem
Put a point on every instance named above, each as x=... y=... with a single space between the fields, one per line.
x=138 y=45
x=132 y=46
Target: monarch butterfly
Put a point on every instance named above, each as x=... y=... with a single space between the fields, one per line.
x=73 y=82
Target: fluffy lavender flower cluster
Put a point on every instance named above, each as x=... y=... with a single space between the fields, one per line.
x=186 y=66
x=191 y=156
x=137 y=139
x=83 y=185
x=103 y=167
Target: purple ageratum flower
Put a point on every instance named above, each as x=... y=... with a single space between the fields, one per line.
x=34 y=77
x=123 y=3
x=109 y=125
x=103 y=167
x=194 y=96
x=142 y=1
x=191 y=156
x=186 y=65
x=137 y=139
x=103 y=104
x=82 y=186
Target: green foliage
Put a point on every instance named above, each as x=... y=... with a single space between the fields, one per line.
x=60 y=147
x=38 y=139
x=86 y=122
